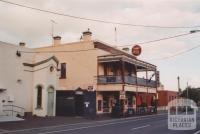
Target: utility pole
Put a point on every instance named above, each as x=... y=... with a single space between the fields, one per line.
x=187 y=90
x=115 y=35
x=179 y=89
x=52 y=28
x=115 y=38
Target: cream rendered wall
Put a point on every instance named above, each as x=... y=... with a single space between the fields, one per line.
x=101 y=69
x=81 y=66
x=19 y=82
x=109 y=70
x=46 y=79
x=3 y=96
x=12 y=75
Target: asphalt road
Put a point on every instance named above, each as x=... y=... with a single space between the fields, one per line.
x=151 y=124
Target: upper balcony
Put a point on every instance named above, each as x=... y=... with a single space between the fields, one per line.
x=126 y=69
x=127 y=80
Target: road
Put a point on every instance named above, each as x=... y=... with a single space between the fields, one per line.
x=151 y=124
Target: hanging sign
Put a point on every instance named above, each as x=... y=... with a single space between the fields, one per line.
x=90 y=88
x=136 y=50
x=122 y=95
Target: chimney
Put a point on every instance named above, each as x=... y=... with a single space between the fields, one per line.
x=87 y=35
x=22 y=44
x=56 y=40
x=126 y=49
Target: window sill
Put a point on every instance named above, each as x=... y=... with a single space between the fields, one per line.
x=63 y=78
x=38 y=108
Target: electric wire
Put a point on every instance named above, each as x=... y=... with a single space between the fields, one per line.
x=97 y=20
x=157 y=40
x=177 y=54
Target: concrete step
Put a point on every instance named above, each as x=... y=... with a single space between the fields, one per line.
x=9 y=119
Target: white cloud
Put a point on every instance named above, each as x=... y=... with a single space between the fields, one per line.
x=34 y=27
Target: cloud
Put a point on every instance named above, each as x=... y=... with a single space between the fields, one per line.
x=34 y=27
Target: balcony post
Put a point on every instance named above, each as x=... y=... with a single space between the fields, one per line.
x=122 y=101
x=136 y=86
x=122 y=74
x=156 y=79
x=136 y=80
x=146 y=84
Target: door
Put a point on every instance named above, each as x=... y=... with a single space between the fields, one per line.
x=50 y=105
x=65 y=104
x=79 y=104
x=90 y=104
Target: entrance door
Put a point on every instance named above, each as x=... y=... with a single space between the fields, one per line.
x=65 y=104
x=50 y=105
x=79 y=104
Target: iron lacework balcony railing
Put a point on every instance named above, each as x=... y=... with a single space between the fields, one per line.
x=111 y=79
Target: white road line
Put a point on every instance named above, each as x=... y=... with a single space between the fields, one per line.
x=140 y=127
x=197 y=132
x=85 y=123
x=3 y=130
x=73 y=129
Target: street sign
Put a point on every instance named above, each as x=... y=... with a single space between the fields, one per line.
x=122 y=95
x=79 y=92
x=90 y=88
x=87 y=104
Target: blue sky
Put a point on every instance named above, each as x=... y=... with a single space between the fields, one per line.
x=33 y=27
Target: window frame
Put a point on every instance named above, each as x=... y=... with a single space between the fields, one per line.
x=39 y=97
x=63 y=67
x=99 y=105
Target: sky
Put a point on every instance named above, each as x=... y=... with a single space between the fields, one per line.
x=33 y=27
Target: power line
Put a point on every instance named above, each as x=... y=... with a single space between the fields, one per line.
x=163 y=58
x=96 y=20
x=166 y=38
x=177 y=54
x=157 y=40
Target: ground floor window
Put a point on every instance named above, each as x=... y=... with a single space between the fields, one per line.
x=39 y=97
x=99 y=105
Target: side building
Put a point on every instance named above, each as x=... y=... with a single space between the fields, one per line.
x=28 y=81
x=95 y=78
x=164 y=97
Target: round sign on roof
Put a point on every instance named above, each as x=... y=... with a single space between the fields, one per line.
x=136 y=50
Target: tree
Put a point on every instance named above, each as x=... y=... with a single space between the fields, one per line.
x=193 y=94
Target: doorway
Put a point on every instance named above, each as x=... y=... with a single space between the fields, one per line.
x=79 y=104
x=65 y=103
x=50 y=105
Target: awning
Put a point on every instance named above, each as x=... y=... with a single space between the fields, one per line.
x=141 y=65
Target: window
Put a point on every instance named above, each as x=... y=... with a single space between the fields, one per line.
x=39 y=97
x=63 y=71
x=99 y=105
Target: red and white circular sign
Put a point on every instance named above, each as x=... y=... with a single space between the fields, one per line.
x=136 y=50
